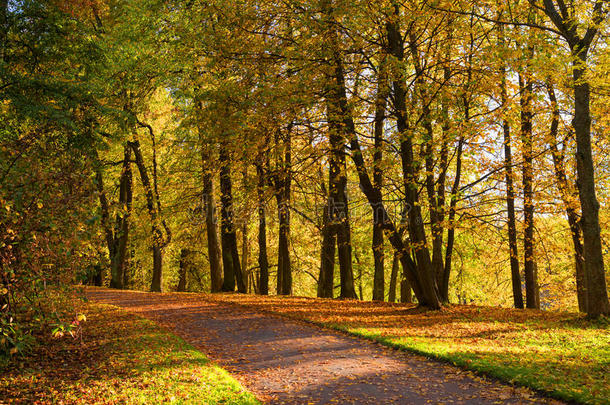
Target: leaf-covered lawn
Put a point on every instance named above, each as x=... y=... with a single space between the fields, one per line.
x=123 y=359
x=563 y=354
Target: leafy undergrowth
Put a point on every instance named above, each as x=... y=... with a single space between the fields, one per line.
x=123 y=359
x=562 y=354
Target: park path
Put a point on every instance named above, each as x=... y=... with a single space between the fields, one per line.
x=289 y=362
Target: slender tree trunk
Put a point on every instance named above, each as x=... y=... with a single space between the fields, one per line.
x=336 y=113
x=121 y=233
x=214 y=255
x=282 y=186
x=452 y=212
x=512 y=222
x=510 y=193
x=157 y=233
x=263 y=262
x=327 y=259
x=245 y=243
x=378 y=251
x=423 y=285
x=532 y=299
x=425 y=273
x=569 y=203
x=393 y=278
x=230 y=254
x=182 y=269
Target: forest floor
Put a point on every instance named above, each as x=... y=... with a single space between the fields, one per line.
x=284 y=360
x=122 y=359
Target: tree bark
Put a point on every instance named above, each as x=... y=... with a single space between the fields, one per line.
x=596 y=290
x=405 y=292
x=566 y=193
x=230 y=254
x=595 y=277
x=393 y=278
x=510 y=189
x=156 y=233
x=118 y=251
x=426 y=280
x=263 y=261
x=337 y=196
x=327 y=259
x=377 y=240
x=532 y=299
x=214 y=255
x=282 y=186
x=182 y=269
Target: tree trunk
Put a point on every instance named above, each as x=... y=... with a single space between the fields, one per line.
x=377 y=242
x=282 y=183
x=426 y=280
x=121 y=233
x=596 y=290
x=245 y=243
x=230 y=254
x=336 y=113
x=452 y=212
x=393 y=278
x=510 y=196
x=183 y=265
x=405 y=292
x=156 y=233
x=532 y=299
x=569 y=203
x=595 y=277
x=263 y=262
x=211 y=222
x=327 y=259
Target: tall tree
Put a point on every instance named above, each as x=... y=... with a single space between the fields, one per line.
x=230 y=254
x=580 y=35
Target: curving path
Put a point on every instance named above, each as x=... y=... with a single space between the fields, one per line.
x=289 y=362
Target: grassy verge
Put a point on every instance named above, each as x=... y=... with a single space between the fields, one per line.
x=123 y=359
x=562 y=354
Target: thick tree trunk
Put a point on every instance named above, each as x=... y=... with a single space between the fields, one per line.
x=230 y=254
x=214 y=255
x=510 y=198
x=532 y=299
x=263 y=261
x=596 y=290
x=569 y=203
x=405 y=291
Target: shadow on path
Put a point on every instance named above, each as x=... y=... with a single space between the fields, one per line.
x=285 y=361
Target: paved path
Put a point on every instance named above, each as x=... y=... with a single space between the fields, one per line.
x=289 y=362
